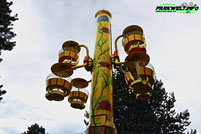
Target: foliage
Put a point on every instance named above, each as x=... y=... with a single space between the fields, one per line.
x=155 y=116
x=35 y=129
x=86 y=115
x=6 y=19
x=6 y=33
x=192 y=132
x=1 y=92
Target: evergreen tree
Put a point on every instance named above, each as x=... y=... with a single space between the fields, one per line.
x=35 y=129
x=86 y=120
x=6 y=19
x=155 y=116
x=1 y=92
x=192 y=132
x=6 y=33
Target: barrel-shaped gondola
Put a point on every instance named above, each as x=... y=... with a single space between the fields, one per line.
x=70 y=53
x=145 y=79
x=78 y=98
x=134 y=45
x=146 y=72
x=132 y=36
x=57 y=88
x=68 y=57
x=79 y=95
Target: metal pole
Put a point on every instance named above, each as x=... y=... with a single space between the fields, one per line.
x=101 y=102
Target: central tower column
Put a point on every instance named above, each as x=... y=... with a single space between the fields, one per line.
x=101 y=101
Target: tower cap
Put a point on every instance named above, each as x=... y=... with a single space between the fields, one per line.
x=103 y=11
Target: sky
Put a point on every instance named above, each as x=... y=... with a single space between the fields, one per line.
x=173 y=44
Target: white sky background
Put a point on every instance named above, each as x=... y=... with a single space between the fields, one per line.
x=173 y=43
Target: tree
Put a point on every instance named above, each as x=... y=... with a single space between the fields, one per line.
x=6 y=19
x=6 y=33
x=35 y=129
x=86 y=120
x=192 y=132
x=86 y=115
x=155 y=116
x=1 y=92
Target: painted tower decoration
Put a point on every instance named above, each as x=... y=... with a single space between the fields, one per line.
x=101 y=110
x=139 y=73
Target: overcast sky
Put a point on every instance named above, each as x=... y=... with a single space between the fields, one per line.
x=173 y=44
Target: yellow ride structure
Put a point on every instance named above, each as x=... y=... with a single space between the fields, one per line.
x=139 y=74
